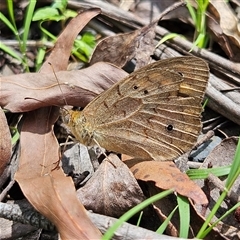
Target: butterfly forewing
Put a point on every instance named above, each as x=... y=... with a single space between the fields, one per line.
x=153 y=113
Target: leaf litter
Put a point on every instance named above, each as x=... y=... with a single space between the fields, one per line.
x=45 y=166
x=43 y=183
x=39 y=153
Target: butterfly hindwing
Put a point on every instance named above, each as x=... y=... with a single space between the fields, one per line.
x=153 y=113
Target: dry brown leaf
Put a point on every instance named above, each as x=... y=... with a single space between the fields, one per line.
x=171 y=230
x=225 y=28
x=163 y=209
x=46 y=187
x=166 y=176
x=112 y=190
x=224 y=151
x=5 y=142
x=78 y=87
x=59 y=204
x=60 y=54
x=137 y=44
x=48 y=190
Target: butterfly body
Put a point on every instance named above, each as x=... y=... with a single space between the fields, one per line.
x=154 y=113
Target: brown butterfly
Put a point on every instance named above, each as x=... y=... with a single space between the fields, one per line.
x=154 y=113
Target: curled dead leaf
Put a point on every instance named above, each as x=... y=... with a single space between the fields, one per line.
x=29 y=91
x=5 y=142
x=225 y=28
x=166 y=175
x=138 y=44
x=43 y=183
x=112 y=190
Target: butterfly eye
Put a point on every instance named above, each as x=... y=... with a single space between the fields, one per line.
x=169 y=127
x=145 y=91
x=135 y=87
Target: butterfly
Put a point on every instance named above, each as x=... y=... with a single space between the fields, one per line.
x=154 y=113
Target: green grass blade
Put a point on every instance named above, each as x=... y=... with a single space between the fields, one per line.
x=110 y=232
x=167 y=37
x=15 y=135
x=192 y=12
x=235 y=169
x=194 y=174
x=27 y=22
x=199 y=42
x=11 y=13
x=139 y=219
x=230 y=211
x=184 y=213
x=10 y=51
x=8 y=23
x=164 y=225
x=205 y=103
x=46 y=32
x=40 y=54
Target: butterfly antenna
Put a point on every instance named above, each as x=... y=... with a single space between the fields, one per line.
x=64 y=99
x=26 y=98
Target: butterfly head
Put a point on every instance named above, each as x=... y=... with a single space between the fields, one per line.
x=77 y=124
